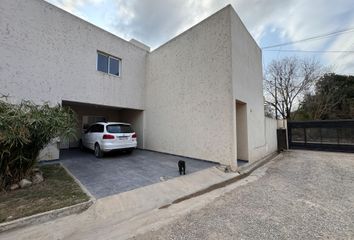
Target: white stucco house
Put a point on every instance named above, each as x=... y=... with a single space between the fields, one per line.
x=198 y=95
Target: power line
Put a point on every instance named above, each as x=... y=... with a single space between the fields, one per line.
x=308 y=51
x=348 y=30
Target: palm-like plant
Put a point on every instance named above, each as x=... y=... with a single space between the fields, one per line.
x=25 y=129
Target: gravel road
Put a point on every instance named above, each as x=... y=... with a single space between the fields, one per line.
x=304 y=195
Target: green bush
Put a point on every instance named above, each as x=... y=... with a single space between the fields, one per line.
x=25 y=129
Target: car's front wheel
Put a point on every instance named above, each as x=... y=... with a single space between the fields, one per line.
x=98 y=151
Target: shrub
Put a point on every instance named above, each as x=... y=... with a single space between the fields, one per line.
x=25 y=129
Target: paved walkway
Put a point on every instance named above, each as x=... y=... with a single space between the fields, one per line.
x=120 y=172
x=306 y=195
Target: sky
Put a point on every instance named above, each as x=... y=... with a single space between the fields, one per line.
x=270 y=22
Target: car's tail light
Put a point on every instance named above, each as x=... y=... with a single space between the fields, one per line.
x=108 y=136
x=134 y=135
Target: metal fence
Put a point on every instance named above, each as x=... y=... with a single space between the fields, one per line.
x=323 y=135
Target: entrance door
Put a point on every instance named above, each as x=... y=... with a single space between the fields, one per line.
x=241 y=131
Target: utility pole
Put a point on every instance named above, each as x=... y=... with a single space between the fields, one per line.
x=276 y=98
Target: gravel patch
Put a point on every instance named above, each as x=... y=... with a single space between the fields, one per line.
x=304 y=195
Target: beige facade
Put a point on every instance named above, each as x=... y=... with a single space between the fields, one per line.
x=189 y=93
x=198 y=95
x=50 y=55
x=205 y=89
x=247 y=81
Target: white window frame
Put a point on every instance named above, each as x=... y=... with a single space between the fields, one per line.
x=109 y=63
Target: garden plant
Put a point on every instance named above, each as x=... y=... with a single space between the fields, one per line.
x=25 y=129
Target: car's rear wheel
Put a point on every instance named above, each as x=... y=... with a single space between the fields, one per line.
x=98 y=151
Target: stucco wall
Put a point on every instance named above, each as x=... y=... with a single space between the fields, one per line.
x=136 y=119
x=189 y=98
x=248 y=84
x=270 y=135
x=51 y=151
x=48 y=54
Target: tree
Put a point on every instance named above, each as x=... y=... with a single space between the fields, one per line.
x=333 y=99
x=288 y=80
x=25 y=129
x=268 y=110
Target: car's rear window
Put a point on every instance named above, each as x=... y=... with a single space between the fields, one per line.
x=119 y=128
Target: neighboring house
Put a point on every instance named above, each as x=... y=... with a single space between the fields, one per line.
x=198 y=95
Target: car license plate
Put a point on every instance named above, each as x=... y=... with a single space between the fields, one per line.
x=122 y=138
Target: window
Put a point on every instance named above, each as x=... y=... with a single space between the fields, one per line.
x=108 y=64
x=119 y=128
x=114 y=66
x=97 y=128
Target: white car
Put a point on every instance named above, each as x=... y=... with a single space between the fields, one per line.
x=108 y=136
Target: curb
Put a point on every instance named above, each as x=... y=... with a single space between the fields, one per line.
x=45 y=216
x=244 y=171
x=84 y=189
x=52 y=214
x=249 y=168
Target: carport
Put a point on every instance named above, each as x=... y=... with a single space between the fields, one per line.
x=90 y=113
x=118 y=172
x=121 y=172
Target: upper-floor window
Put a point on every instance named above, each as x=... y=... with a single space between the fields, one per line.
x=108 y=64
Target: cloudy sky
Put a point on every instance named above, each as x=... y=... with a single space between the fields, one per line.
x=270 y=22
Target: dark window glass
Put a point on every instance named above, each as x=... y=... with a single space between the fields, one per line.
x=92 y=128
x=98 y=128
x=102 y=63
x=119 y=128
x=114 y=66
x=88 y=129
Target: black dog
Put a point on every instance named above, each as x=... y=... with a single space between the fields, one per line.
x=182 y=167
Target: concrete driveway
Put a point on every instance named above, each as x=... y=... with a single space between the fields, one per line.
x=121 y=172
x=304 y=195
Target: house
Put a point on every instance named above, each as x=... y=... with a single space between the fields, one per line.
x=198 y=95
